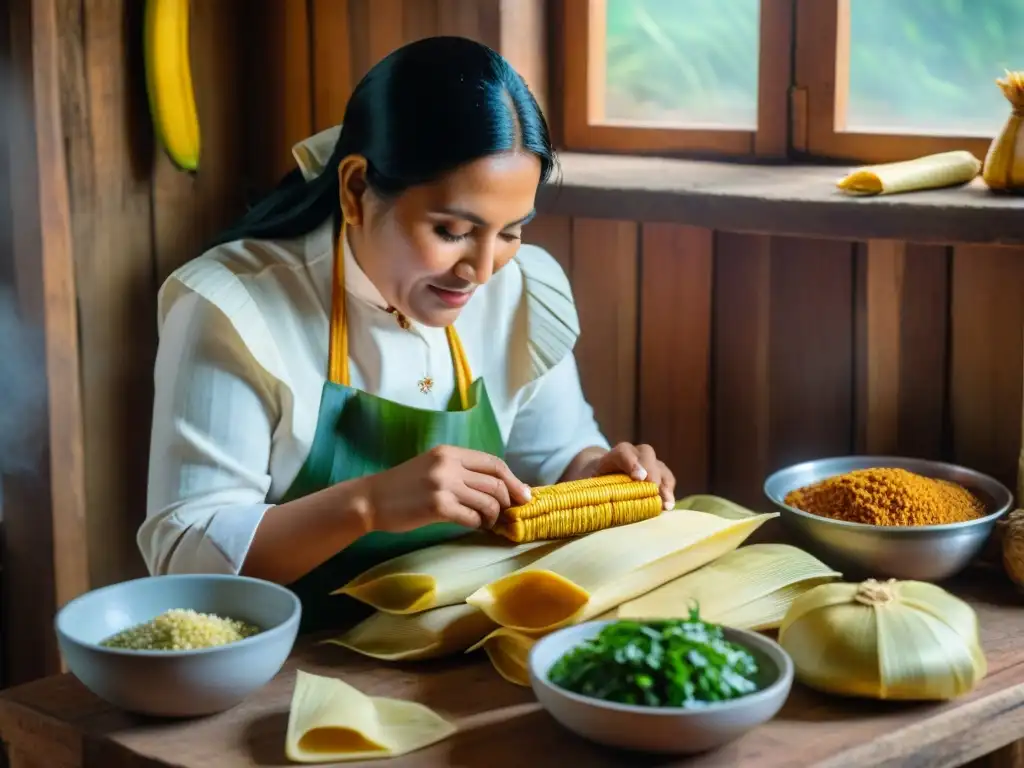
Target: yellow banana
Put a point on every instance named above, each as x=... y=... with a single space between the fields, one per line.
x=172 y=100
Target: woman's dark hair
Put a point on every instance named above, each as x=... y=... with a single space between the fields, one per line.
x=422 y=111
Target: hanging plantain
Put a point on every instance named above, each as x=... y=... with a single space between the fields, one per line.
x=169 y=80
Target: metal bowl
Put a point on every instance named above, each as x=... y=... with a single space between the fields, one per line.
x=920 y=553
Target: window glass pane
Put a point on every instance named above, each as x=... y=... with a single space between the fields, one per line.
x=929 y=66
x=690 y=63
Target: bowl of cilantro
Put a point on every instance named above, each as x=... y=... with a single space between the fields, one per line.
x=675 y=686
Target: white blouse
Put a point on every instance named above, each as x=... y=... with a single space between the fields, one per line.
x=241 y=366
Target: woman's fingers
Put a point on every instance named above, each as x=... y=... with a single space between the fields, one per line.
x=623 y=458
x=668 y=487
x=641 y=463
x=490 y=485
x=485 y=506
x=450 y=506
x=485 y=464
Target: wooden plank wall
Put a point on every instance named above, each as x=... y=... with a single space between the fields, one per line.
x=736 y=354
x=304 y=57
x=98 y=218
x=134 y=219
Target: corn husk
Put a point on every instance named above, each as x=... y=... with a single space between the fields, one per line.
x=412 y=637
x=945 y=169
x=597 y=572
x=1004 y=163
x=329 y=721
x=749 y=588
x=715 y=505
x=906 y=640
x=444 y=574
x=509 y=652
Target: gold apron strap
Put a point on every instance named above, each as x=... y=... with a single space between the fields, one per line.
x=337 y=358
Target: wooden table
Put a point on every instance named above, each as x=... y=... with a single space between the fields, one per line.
x=56 y=723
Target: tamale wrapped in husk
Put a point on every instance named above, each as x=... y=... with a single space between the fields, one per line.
x=906 y=640
x=444 y=574
x=594 y=573
x=415 y=636
x=509 y=653
x=946 y=169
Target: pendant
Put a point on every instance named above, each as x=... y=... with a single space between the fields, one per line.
x=425 y=384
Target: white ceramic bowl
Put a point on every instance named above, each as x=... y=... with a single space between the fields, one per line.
x=668 y=730
x=178 y=683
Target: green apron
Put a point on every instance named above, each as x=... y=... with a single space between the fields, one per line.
x=359 y=434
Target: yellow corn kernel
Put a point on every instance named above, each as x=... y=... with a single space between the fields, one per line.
x=573 y=508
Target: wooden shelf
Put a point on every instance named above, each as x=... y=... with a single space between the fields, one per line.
x=775 y=199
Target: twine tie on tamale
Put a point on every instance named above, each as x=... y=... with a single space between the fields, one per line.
x=577 y=507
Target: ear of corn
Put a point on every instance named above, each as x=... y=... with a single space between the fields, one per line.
x=441 y=575
x=577 y=507
x=330 y=721
x=411 y=637
x=597 y=572
x=763 y=581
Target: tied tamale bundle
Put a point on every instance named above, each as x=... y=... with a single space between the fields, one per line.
x=899 y=640
x=576 y=507
x=749 y=588
x=1004 y=163
x=444 y=574
x=597 y=572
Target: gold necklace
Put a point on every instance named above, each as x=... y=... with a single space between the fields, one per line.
x=425 y=384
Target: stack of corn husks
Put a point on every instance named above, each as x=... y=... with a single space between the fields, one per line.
x=485 y=592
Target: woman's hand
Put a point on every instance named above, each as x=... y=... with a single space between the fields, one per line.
x=445 y=484
x=637 y=461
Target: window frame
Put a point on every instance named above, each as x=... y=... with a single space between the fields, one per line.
x=803 y=82
x=583 y=24
x=821 y=92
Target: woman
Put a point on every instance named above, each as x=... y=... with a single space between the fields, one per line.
x=315 y=409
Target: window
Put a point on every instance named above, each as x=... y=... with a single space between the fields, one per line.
x=864 y=80
x=688 y=75
x=890 y=79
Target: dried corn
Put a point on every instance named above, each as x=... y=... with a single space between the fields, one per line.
x=576 y=507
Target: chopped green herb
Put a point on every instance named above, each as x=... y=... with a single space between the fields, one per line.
x=684 y=663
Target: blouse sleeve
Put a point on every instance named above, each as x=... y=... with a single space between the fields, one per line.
x=214 y=411
x=554 y=421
